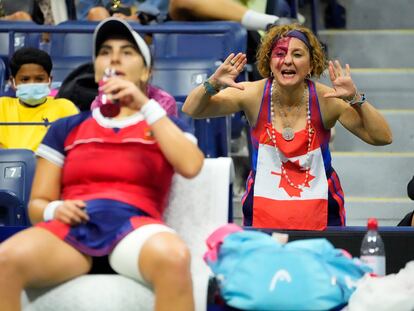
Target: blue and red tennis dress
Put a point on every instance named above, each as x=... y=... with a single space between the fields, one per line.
x=270 y=200
x=117 y=168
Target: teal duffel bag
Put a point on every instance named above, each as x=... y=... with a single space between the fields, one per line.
x=255 y=272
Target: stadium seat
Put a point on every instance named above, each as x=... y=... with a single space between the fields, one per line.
x=63 y=66
x=2 y=75
x=213 y=136
x=196 y=208
x=18 y=39
x=71 y=43
x=178 y=76
x=184 y=117
x=212 y=40
x=16 y=174
x=70 y=49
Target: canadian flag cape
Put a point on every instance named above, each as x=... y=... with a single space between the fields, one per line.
x=278 y=204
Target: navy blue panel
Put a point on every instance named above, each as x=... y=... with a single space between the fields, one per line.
x=16 y=175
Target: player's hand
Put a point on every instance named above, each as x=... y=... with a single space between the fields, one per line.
x=124 y=91
x=71 y=212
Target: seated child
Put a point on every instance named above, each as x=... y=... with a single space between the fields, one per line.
x=30 y=77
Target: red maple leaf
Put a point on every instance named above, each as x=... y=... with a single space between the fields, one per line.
x=297 y=174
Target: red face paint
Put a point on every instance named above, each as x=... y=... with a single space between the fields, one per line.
x=280 y=50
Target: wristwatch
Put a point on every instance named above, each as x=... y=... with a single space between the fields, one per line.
x=359 y=102
x=209 y=88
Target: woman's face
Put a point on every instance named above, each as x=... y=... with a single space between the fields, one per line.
x=121 y=55
x=290 y=61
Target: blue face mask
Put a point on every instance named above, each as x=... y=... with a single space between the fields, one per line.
x=32 y=94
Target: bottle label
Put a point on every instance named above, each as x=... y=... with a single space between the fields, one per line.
x=377 y=264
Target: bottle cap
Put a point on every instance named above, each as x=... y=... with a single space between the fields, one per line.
x=372 y=224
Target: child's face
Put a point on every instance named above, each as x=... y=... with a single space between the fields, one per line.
x=31 y=73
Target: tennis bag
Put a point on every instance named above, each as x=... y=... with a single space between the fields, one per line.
x=255 y=272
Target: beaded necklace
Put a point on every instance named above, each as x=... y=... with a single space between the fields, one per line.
x=287 y=131
x=272 y=136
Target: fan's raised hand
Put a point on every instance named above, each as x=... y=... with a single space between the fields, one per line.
x=228 y=71
x=341 y=80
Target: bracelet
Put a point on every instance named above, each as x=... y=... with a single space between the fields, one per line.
x=49 y=211
x=152 y=111
x=209 y=88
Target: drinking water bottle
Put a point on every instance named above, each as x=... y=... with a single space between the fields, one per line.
x=372 y=248
x=109 y=108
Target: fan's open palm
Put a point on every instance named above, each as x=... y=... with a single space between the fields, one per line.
x=342 y=83
x=228 y=71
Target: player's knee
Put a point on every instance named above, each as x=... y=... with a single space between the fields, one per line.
x=173 y=261
x=11 y=263
x=176 y=258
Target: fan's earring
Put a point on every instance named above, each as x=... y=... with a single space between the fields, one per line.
x=271 y=74
x=308 y=76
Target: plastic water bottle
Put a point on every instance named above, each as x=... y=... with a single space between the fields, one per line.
x=372 y=248
x=109 y=108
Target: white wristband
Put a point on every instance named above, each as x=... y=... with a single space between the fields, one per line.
x=49 y=211
x=152 y=111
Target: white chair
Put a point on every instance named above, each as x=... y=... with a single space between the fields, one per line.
x=196 y=208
